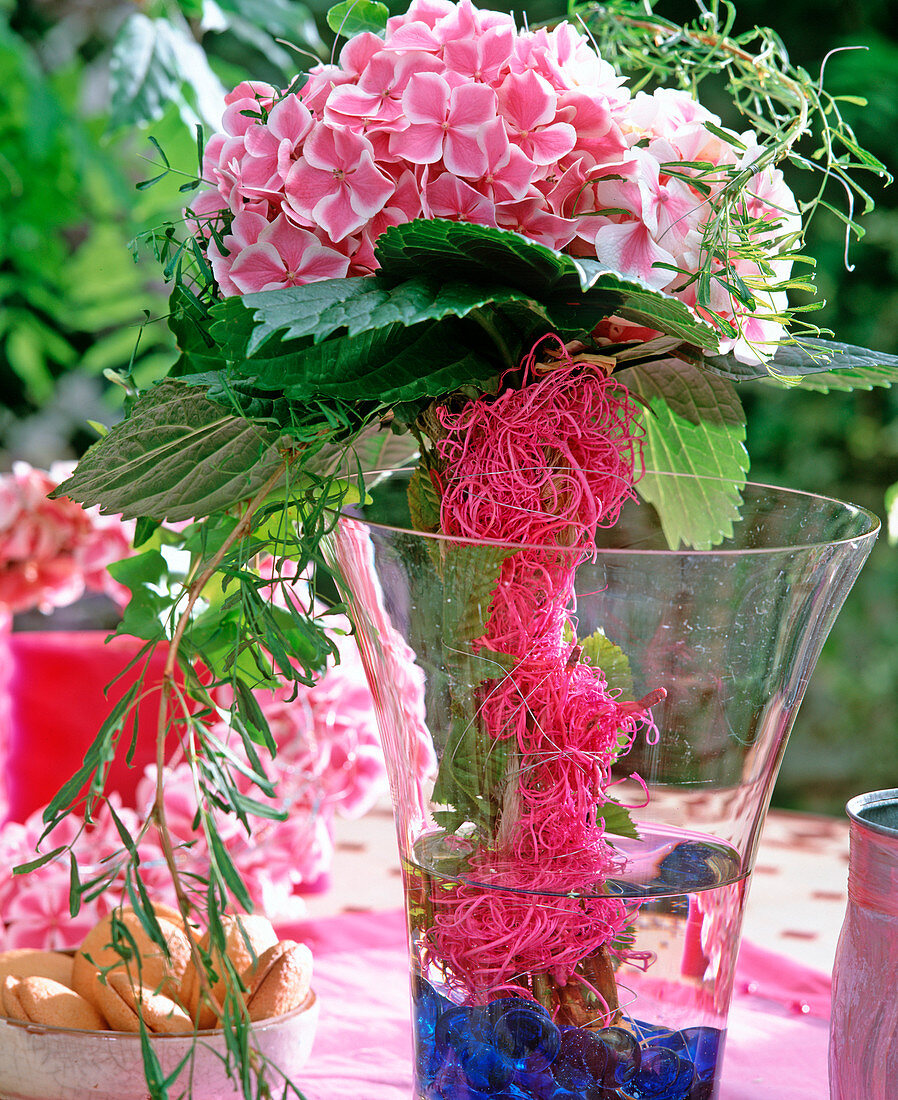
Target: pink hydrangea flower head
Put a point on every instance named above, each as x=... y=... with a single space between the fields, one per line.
x=535 y=123
x=449 y=197
x=375 y=100
x=276 y=142
x=51 y=551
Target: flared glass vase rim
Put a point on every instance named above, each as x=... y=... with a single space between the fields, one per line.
x=867 y=532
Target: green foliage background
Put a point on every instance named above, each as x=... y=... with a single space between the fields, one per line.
x=72 y=299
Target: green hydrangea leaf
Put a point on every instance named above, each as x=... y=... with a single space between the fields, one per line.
x=618 y=821
x=384 y=365
x=575 y=293
x=178 y=456
x=356 y=16
x=600 y=652
x=318 y=310
x=694 y=425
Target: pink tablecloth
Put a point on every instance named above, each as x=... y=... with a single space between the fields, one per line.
x=776 y=1044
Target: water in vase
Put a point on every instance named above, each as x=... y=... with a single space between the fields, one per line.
x=647 y=1028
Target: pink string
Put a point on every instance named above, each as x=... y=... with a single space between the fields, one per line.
x=545 y=465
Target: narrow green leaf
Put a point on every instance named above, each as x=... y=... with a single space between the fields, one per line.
x=99 y=752
x=74 y=887
x=32 y=865
x=224 y=867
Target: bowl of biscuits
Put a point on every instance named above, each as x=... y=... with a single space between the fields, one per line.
x=70 y=1023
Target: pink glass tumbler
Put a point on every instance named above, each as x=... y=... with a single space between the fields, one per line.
x=863 y=1049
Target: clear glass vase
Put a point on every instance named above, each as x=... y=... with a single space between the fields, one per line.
x=578 y=816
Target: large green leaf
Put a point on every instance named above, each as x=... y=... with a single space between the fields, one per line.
x=384 y=365
x=318 y=310
x=178 y=456
x=574 y=292
x=816 y=364
x=156 y=62
x=694 y=425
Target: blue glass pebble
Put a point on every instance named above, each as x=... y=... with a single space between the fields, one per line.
x=459 y=1027
x=624 y=1056
x=686 y=867
x=527 y=1037
x=484 y=1068
x=662 y=1076
x=581 y=1061
x=705 y=1047
x=496 y=1009
x=428 y=1006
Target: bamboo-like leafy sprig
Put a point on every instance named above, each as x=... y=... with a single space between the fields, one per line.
x=787 y=108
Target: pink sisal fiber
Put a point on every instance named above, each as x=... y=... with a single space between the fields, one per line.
x=544 y=466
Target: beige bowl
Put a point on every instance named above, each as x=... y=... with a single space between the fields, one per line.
x=39 y=1062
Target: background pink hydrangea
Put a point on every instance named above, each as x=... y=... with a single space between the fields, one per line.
x=329 y=763
x=457 y=114
x=52 y=551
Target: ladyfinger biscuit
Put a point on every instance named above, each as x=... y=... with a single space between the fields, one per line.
x=247 y=937
x=281 y=981
x=154 y=970
x=22 y=962
x=45 y=1001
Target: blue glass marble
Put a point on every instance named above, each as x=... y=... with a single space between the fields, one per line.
x=705 y=1047
x=662 y=1075
x=428 y=1006
x=484 y=1068
x=624 y=1057
x=458 y=1027
x=527 y=1037
x=686 y=867
x=496 y=1009
x=581 y=1061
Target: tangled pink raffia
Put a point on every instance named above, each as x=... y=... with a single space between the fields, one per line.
x=545 y=465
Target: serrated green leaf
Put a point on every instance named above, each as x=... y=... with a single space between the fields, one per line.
x=618 y=821
x=384 y=366
x=140 y=574
x=574 y=292
x=178 y=456
x=470 y=576
x=423 y=501
x=472 y=771
x=318 y=310
x=695 y=429
x=602 y=653
x=357 y=16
